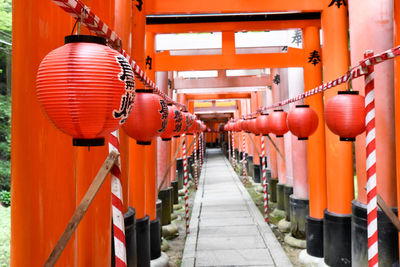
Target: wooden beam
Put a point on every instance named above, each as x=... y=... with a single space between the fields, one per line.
x=220 y=82
x=218 y=96
x=232 y=26
x=231 y=6
x=293 y=58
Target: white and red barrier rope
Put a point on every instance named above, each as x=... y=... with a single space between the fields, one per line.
x=80 y=11
x=372 y=213
x=229 y=146
x=117 y=204
x=264 y=178
x=185 y=182
x=233 y=151
x=244 y=160
x=196 y=180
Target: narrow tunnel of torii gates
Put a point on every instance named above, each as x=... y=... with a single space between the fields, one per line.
x=212 y=121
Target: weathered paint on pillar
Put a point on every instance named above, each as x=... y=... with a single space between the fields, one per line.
x=41 y=205
x=316 y=142
x=378 y=37
x=271 y=149
x=137 y=185
x=339 y=161
x=299 y=148
x=287 y=139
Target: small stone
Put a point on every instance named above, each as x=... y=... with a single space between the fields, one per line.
x=177 y=206
x=181 y=192
x=174 y=216
x=164 y=245
x=170 y=231
x=284 y=226
x=294 y=242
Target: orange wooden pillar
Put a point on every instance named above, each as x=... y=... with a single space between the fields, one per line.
x=315 y=149
x=397 y=98
x=339 y=161
x=122 y=26
x=272 y=153
x=137 y=171
x=256 y=168
x=43 y=189
x=379 y=37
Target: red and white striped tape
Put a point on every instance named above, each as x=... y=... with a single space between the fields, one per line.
x=264 y=178
x=244 y=160
x=185 y=181
x=233 y=151
x=229 y=146
x=372 y=219
x=77 y=9
x=117 y=207
x=196 y=180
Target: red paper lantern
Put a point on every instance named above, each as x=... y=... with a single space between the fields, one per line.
x=86 y=89
x=262 y=124
x=188 y=121
x=302 y=121
x=180 y=123
x=345 y=115
x=148 y=119
x=253 y=126
x=277 y=122
x=240 y=125
x=198 y=126
x=246 y=125
x=173 y=124
x=192 y=128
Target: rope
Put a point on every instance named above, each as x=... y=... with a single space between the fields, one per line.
x=117 y=207
x=372 y=219
x=244 y=161
x=233 y=151
x=196 y=180
x=264 y=174
x=185 y=179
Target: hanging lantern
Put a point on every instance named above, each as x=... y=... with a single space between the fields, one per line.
x=253 y=126
x=245 y=125
x=240 y=125
x=198 y=126
x=172 y=125
x=262 y=123
x=302 y=121
x=192 y=129
x=180 y=123
x=277 y=122
x=148 y=119
x=188 y=121
x=86 y=89
x=345 y=115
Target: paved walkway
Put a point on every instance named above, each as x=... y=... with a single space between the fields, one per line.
x=226 y=228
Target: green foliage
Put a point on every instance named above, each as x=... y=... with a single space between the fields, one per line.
x=5 y=198
x=5 y=234
x=5 y=16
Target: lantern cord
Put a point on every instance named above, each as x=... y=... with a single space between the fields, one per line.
x=77 y=9
x=73 y=29
x=355 y=72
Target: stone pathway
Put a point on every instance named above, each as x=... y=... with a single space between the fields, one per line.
x=226 y=228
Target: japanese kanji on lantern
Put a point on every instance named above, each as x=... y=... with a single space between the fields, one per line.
x=302 y=121
x=86 y=89
x=148 y=119
x=345 y=115
x=174 y=123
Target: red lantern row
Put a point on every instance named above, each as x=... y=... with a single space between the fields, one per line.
x=88 y=90
x=344 y=116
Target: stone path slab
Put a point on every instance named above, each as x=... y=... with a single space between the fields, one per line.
x=226 y=228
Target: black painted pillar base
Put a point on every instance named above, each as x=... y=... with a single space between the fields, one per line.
x=175 y=195
x=280 y=197
x=166 y=198
x=159 y=209
x=190 y=169
x=298 y=214
x=130 y=239
x=268 y=174
x=388 y=245
x=337 y=239
x=155 y=239
x=257 y=173
x=273 y=189
x=250 y=165
x=237 y=156
x=315 y=237
x=143 y=241
x=287 y=191
x=179 y=169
